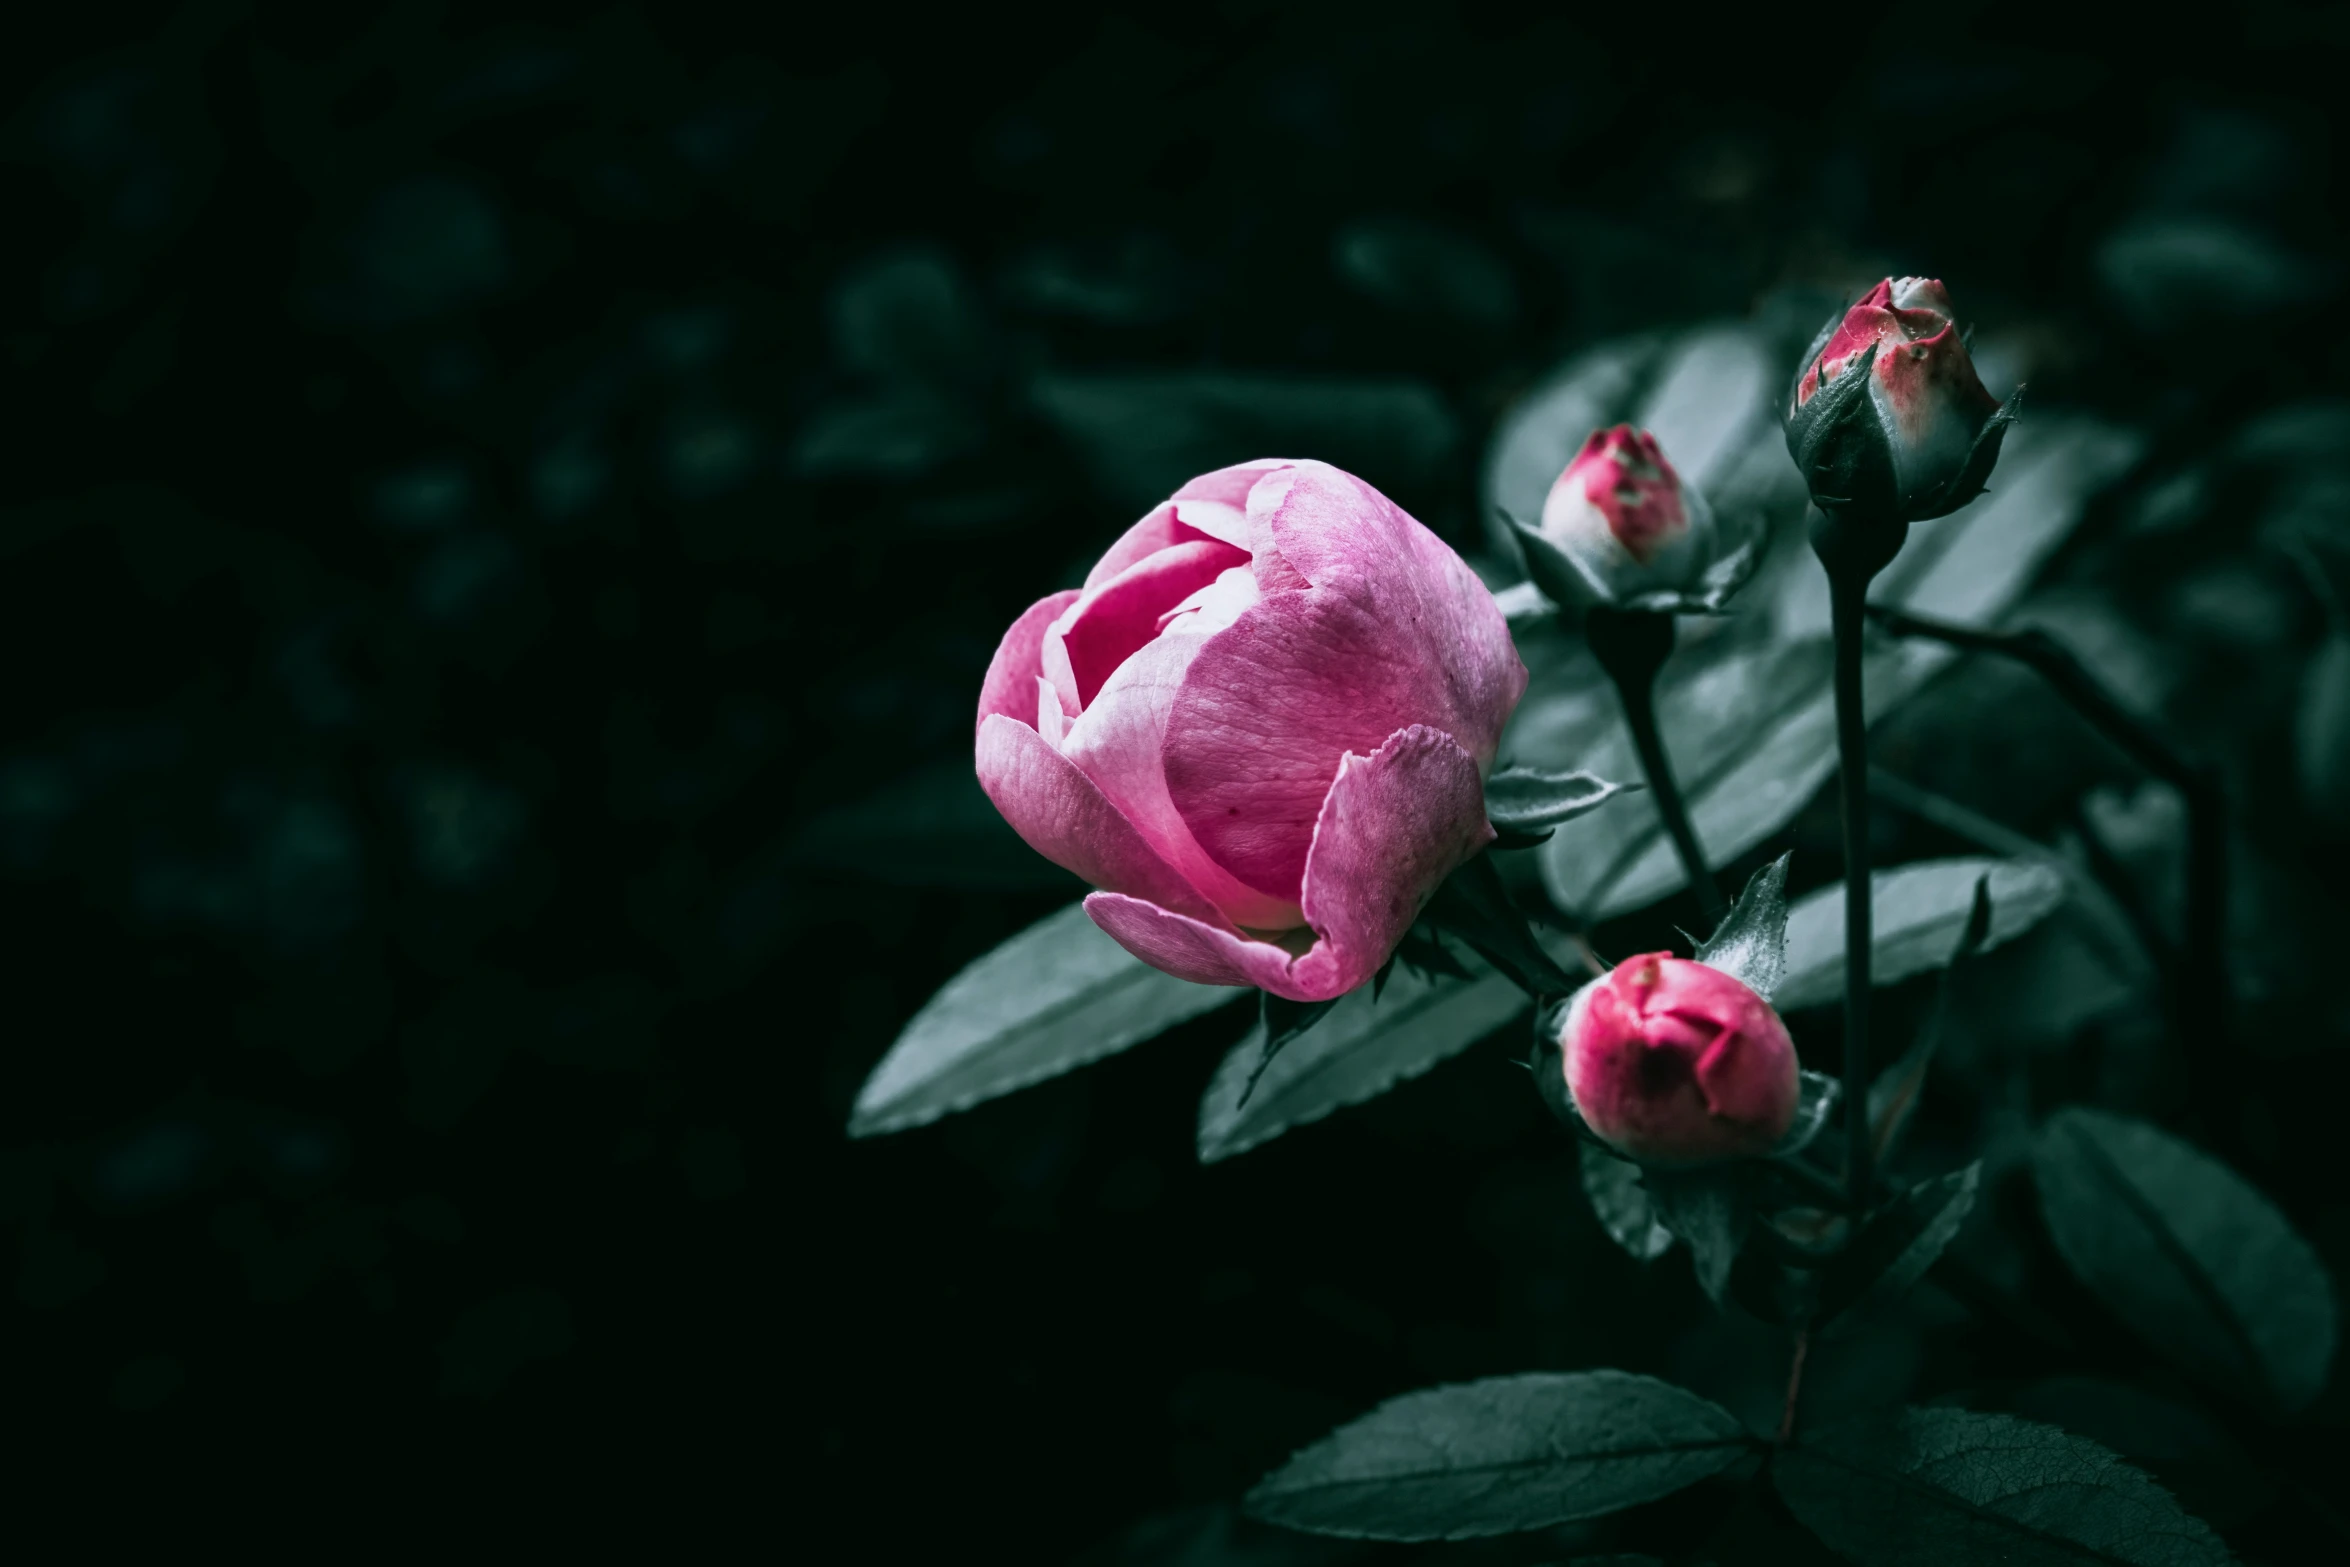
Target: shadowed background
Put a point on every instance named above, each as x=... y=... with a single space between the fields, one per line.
x=504 y=522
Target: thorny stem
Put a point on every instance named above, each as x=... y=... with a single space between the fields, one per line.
x=1632 y=645
x=1847 y=598
x=1794 y=1386
x=2200 y=989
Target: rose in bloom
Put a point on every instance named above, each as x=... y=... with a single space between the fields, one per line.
x=1676 y=1063
x=1887 y=416
x=1261 y=728
x=1620 y=528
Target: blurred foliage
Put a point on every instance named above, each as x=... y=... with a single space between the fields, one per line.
x=504 y=521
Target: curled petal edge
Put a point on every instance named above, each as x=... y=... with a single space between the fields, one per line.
x=1394 y=824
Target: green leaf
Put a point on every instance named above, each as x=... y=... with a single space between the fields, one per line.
x=1817 y=1095
x=1894 y=1095
x=1953 y=1488
x=1525 y=800
x=1622 y=1204
x=2321 y=735
x=1280 y=1020
x=1055 y=997
x=1920 y=913
x=1474 y=905
x=1502 y=1455
x=2188 y=1254
x=1417 y=267
x=1362 y=1048
x=1748 y=717
x=1708 y=1209
x=1896 y=1247
x=1750 y=945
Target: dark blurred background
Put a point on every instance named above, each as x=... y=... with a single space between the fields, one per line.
x=504 y=519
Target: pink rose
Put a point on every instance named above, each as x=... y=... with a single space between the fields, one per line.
x=1924 y=438
x=1261 y=728
x=1632 y=535
x=1676 y=1063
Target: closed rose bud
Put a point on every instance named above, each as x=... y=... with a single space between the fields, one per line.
x=1261 y=728
x=1619 y=528
x=1887 y=418
x=1675 y=1063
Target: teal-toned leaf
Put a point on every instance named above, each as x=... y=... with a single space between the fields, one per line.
x=1622 y=1203
x=1056 y=996
x=1708 y=1209
x=1473 y=905
x=1894 y=1094
x=1524 y=800
x=1280 y=1020
x=1896 y=1247
x=1418 y=267
x=1920 y=913
x=1953 y=1488
x=1143 y=435
x=1750 y=944
x=1502 y=1455
x=1817 y=1095
x=2321 y=735
x=1748 y=718
x=1359 y=1050
x=2189 y=1254
x=2180 y=1445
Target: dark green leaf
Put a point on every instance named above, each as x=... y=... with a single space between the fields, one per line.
x=1526 y=800
x=1622 y=1204
x=1952 y=1488
x=1411 y=265
x=1750 y=945
x=1054 y=997
x=1473 y=905
x=2189 y=1254
x=1364 y=1047
x=1894 y=1096
x=1920 y=911
x=1896 y=1247
x=1502 y=1455
x=1280 y=1020
x=2321 y=735
x=1817 y=1095
x=1707 y=1208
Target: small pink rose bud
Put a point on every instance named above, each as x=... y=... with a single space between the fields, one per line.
x=1619 y=528
x=1676 y=1063
x=1919 y=439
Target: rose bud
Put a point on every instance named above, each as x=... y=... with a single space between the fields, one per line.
x=1887 y=418
x=1620 y=528
x=1675 y=1063
x=1261 y=728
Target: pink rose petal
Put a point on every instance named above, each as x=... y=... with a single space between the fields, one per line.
x=1065 y=818
x=1394 y=824
x=1009 y=687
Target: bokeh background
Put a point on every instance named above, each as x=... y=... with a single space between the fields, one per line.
x=504 y=519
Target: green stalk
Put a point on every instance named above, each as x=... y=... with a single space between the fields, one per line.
x=1632 y=646
x=1847 y=594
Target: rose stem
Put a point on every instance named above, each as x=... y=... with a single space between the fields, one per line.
x=1847 y=596
x=1632 y=645
x=2201 y=991
x=1794 y=1386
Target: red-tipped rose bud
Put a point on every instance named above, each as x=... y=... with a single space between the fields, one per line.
x=1887 y=416
x=1620 y=528
x=1676 y=1063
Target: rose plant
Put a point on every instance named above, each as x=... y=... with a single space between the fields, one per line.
x=1268 y=729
